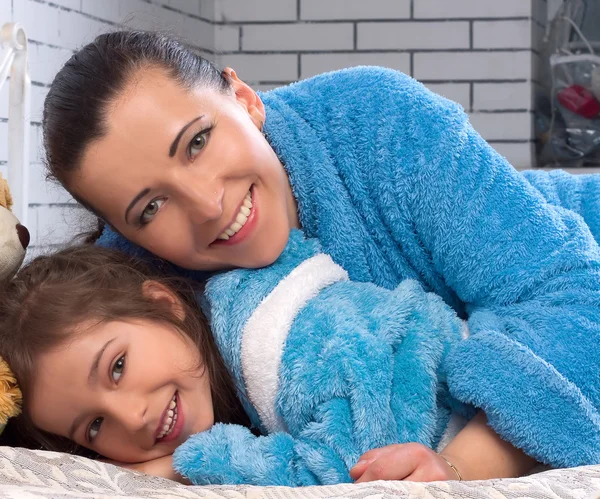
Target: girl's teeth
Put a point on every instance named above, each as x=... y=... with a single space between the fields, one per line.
x=171 y=419
x=240 y=219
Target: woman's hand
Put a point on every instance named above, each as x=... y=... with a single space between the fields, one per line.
x=414 y=462
x=162 y=467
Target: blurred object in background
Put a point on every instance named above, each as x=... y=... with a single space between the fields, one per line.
x=568 y=111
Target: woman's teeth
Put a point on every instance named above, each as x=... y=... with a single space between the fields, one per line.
x=240 y=220
x=170 y=419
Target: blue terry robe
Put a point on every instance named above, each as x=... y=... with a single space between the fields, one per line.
x=328 y=368
x=395 y=183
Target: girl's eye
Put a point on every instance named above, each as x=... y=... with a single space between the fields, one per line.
x=118 y=368
x=198 y=143
x=94 y=428
x=150 y=210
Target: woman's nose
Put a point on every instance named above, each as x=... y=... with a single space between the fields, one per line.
x=203 y=203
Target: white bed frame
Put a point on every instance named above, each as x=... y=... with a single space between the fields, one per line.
x=13 y=43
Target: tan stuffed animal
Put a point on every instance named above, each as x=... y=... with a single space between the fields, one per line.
x=14 y=239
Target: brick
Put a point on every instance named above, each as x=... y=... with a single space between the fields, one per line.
x=108 y=10
x=458 y=92
x=38 y=94
x=502 y=34
x=199 y=33
x=45 y=62
x=256 y=10
x=520 y=155
x=207 y=9
x=75 y=29
x=354 y=9
x=493 y=96
x=3 y=141
x=5 y=11
x=189 y=6
x=59 y=224
x=70 y=4
x=227 y=38
x=312 y=64
x=408 y=35
x=472 y=65
x=40 y=20
x=293 y=37
x=503 y=126
x=449 y=9
x=36 y=145
x=262 y=68
x=4 y=96
x=44 y=192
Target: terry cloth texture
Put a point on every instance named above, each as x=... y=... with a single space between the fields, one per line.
x=331 y=368
x=395 y=183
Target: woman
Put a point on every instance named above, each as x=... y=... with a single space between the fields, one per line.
x=394 y=183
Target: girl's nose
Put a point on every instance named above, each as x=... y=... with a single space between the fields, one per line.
x=130 y=413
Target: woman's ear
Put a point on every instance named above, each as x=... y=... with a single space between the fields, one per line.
x=246 y=97
x=160 y=293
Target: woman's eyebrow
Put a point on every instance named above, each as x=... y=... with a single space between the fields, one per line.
x=181 y=132
x=134 y=201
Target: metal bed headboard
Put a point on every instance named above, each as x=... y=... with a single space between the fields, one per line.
x=13 y=58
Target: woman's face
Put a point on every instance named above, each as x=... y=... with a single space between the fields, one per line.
x=189 y=176
x=132 y=391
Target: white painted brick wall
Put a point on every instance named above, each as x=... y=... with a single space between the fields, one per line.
x=311 y=10
x=502 y=34
x=449 y=9
x=298 y=37
x=313 y=64
x=410 y=35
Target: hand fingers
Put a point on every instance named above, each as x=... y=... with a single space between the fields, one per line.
x=393 y=466
x=367 y=458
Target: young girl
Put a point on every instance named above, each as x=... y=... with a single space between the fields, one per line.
x=191 y=164
x=118 y=361
x=110 y=357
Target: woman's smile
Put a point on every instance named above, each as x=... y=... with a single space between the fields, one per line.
x=244 y=223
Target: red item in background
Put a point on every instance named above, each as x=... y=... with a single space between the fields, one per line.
x=579 y=100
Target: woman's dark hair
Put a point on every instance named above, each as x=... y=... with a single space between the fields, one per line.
x=76 y=104
x=42 y=307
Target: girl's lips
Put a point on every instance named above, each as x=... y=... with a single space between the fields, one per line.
x=248 y=227
x=178 y=427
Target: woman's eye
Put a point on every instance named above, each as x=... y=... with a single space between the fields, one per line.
x=118 y=368
x=150 y=210
x=198 y=143
x=94 y=428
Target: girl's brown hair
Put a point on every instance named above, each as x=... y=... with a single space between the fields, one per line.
x=43 y=305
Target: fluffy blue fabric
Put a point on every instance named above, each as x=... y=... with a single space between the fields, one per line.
x=395 y=183
x=361 y=367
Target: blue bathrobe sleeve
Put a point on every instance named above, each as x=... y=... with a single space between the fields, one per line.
x=527 y=271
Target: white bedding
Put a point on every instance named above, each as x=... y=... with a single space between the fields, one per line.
x=28 y=474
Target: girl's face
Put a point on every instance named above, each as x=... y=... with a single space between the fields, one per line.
x=130 y=390
x=189 y=176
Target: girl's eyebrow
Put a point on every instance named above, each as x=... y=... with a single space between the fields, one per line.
x=94 y=369
x=93 y=374
x=181 y=132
